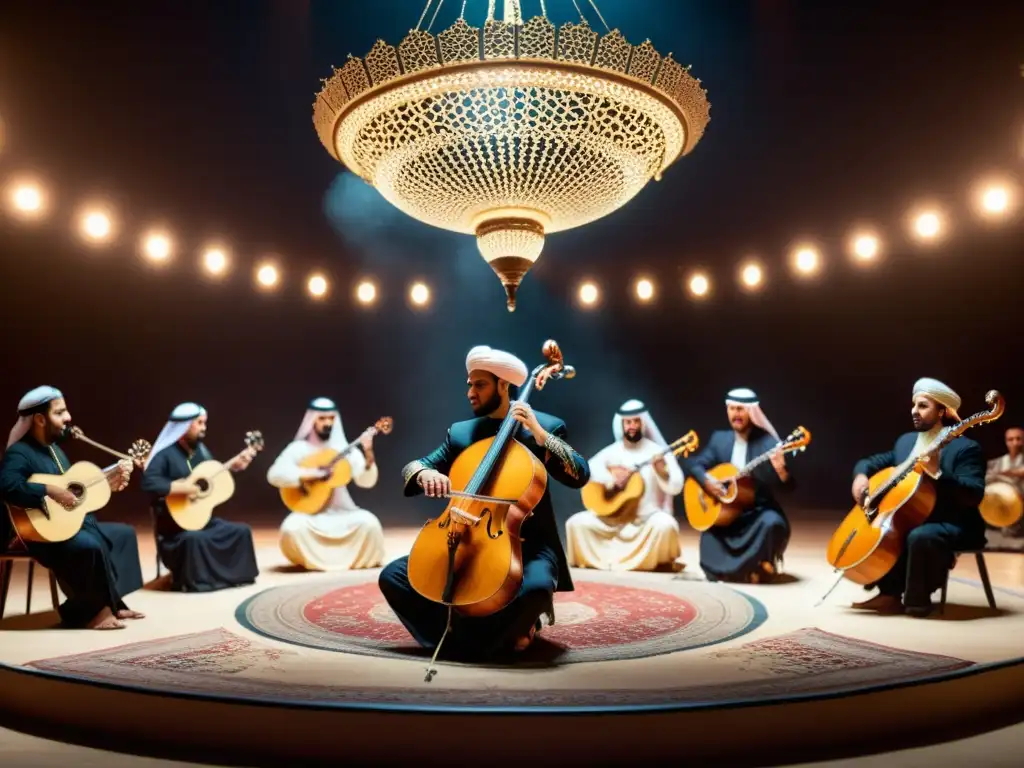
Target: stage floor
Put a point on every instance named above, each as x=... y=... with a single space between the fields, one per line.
x=622 y=640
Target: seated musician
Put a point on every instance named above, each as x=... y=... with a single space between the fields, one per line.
x=955 y=522
x=1009 y=468
x=751 y=548
x=642 y=540
x=222 y=554
x=492 y=377
x=341 y=536
x=97 y=566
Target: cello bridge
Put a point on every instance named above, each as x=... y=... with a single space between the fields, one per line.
x=463 y=517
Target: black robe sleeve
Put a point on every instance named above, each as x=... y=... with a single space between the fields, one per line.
x=157 y=479
x=874 y=464
x=15 y=469
x=562 y=461
x=966 y=483
x=439 y=460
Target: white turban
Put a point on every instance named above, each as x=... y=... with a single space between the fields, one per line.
x=749 y=400
x=636 y=409
x=319 y=407
x=31 y=400
x=940 y=393
x=177 y=425
x=503 y=365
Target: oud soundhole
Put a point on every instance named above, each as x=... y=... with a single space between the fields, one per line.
x=203 y=485
x=77 y=489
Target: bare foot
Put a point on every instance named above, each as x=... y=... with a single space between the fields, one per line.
x=128 y=613
x=768 y=568
x=104 y=620
x=881 y=603
x=678 y=566
x=524 y=642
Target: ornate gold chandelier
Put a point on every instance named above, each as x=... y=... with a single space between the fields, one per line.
x=511 y=132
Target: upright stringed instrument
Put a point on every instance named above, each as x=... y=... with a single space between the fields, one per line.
x=216 y=485
x=312 y=495
x=870 y=540
x=732 y=489
x=470 y=558
x=605 y=502
x=52 y=523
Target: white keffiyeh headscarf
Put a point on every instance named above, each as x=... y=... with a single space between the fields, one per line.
x=177 y=425
x=749 y=400
x=636 y=409
x=32 y=399
x=318 y=407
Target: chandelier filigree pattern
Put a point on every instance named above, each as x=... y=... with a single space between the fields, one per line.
x=522 y=127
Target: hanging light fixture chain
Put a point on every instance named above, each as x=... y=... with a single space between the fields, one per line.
x=424 y=14
x=434 y=17
x=593 y=4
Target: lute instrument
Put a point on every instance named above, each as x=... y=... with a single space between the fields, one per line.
x=730 y=490
x=1003 y=505
x=216 y=485
x=470 y=557
x=624 y=499
x=311 y=496
x=870 y=539
x=52 y=523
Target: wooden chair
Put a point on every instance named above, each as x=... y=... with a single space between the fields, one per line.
x=8 y=558
x=986 y=584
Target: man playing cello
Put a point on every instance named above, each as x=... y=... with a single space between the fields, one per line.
x=955 y=523
x=492 y=375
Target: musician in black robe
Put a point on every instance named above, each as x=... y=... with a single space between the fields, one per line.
x=97 y=566
x=492 y=374
x=955 y=524
x=751 y=548
x=220 y=555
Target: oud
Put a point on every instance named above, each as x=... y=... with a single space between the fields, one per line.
x=311 y=496
x=216 y=485
x=52 y=523
x=605 y=502
x=870 y=539
x=731 y=489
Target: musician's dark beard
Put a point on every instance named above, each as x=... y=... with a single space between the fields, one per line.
x=62 y=435
x=635 y=437
x=490 y=406
x=325 y=433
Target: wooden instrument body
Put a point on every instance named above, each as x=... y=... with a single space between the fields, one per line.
x=311 y=496
x=608 y=503
x=875 y=545
x=705 y=510
x=53 y=523
x=1003 y=505
x=216 y=485
x=489 y=559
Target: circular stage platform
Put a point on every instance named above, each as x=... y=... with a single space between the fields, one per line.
x=315 y=667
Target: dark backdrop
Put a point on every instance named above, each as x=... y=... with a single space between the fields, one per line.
x=199 y=116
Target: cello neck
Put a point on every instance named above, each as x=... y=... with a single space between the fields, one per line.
x=507 y=430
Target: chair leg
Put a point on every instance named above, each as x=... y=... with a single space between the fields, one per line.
x=54 y=594
x=28 y=586
x=942 y=598
x=985 y=583
x=6 y=566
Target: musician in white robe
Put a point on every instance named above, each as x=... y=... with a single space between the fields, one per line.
x=648 y=539
x=342 y=535
x=1009 y=468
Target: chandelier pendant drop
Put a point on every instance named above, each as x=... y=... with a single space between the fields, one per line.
x=510 y=132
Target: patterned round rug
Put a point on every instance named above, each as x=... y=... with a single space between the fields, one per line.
x=609 y=617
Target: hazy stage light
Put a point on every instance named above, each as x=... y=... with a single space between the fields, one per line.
x=267 y=275
x=928 y=225
x=994 y=199
x=751 y=275
x=588 y=294
x=96 y=225
x=157 y=247
x=28 y=199
x=699 y=285
x=864 y=246
x=644 y=289
x=317 y=286
x=419 y=294
x=806 y=260
x=215 y=261
x=366 y=292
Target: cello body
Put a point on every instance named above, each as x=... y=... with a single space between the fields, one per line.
x=872 y=547
x=488 y=557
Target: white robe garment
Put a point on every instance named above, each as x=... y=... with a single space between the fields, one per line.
x=1002 y=464
x=342 y=536
x=650 y=539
